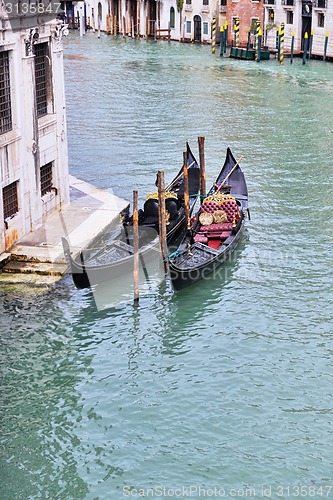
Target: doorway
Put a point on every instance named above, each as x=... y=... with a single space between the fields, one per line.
x=306 y=20
x=197 y=28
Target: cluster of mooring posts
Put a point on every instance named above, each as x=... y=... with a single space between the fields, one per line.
x=162 y=213
x=125 y=30
x=257 y=53
x=252 y=51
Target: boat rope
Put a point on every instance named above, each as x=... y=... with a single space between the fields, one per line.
x=173 y=254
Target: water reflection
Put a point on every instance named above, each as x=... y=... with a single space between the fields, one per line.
x=40 y=405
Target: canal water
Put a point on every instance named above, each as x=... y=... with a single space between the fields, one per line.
x=227 y=384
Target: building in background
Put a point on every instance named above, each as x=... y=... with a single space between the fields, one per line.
x=191 y=20
x=300 y=17
x=248 y=13
x=33 y=140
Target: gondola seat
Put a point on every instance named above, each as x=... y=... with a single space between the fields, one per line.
x=172 y=206
x=217 y=228
x=150 y=210
x=209 y=206
x=200 y=238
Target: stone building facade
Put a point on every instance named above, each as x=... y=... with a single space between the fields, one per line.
x=33 y=140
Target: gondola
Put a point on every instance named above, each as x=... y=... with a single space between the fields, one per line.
x=216 y=229
x=113 y=254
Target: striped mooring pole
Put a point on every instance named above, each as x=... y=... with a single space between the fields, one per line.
x=325 y=46
x=221 y=40
x=310 y=43
x=257 y=47
x=281 y=43
x=305 y=46
x=236 y=29
x=292 y=47
x=213 y=34
x=225 y=36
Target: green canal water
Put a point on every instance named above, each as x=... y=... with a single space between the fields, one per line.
x=228 y=384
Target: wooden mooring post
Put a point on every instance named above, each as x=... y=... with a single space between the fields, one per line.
x=221 y=40
x=325 y=46
x=186 y=193
x=305 y=46
x=310 y=43
x=292 y=47
x=136 y=247
x=225 y=36
x=201 y=143
x=162 y=217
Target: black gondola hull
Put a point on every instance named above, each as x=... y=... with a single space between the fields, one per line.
x=181 y=278
x=195 y=261
x=113 y=262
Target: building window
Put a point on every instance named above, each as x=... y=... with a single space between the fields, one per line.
x=10 y=200
x=205 y=28
x=41 y=66
x=5 y=99
x=46 y=178
x=188 y=2
x=205 y=2
x=321 y=20
x=290 y=17
x=254 y=24
x=223 y=3
x=188 y=27
x=172 y=17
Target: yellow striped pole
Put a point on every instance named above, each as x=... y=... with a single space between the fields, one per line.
x=281 y=43
x=236 y=30
x=214 y=35
x=257 y=55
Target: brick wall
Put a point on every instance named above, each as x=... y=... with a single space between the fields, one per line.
x=246 y=10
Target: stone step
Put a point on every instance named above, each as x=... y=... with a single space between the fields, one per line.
x=4 y=258
x=41 y=268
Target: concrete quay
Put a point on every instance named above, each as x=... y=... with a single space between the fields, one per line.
x=38 y=257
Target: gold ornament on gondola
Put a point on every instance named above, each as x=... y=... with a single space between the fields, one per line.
x=206 y=218
x=219 y=198
x=168 y=194
x=220 y=216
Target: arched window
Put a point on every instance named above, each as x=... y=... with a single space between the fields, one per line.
x=172 y=17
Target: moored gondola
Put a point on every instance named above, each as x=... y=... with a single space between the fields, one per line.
x=112 y=255
x=216 y=229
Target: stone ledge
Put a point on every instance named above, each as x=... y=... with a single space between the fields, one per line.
x=41 y=268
